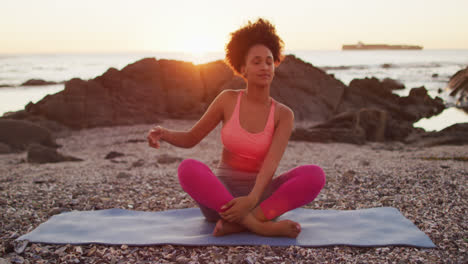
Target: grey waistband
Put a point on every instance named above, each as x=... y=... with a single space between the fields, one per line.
x=225 y=171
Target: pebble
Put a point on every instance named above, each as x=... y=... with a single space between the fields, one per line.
x=123 y=175
x=114 y=154
x=21 y=246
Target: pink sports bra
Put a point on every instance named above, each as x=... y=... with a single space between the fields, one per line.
x=239 y=142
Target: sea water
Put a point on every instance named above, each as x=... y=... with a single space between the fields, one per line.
x=413 y=68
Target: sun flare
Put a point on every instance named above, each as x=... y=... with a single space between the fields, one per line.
x=199 y=46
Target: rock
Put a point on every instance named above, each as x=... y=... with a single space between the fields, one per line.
x=458 y=85
x=214 y=76
x=249 y=260
x=309 y=91
x=17 y=260
x=114 y=154
x=21 y=246
x=167 y=159
x=354 y=127
x=348 y=177
x=57 y=129
x=57 y=210
x=435 y=75
x=4 y=148
x=123 y=175
x=8 y=246
x=149 y=89
x=43 y=180
x=135 y=140
x=20 y=134
x=364 y=163
x=390 y=84
x=456 y=134
x=41 y=154
x=402 y=112
x=138 y=163
x=152 y=88
x=4 y=261
x=37 y=82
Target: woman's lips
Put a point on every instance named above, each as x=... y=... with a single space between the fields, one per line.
x=265 y=76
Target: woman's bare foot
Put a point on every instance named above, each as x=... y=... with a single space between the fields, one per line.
x=223 y=228
x=287 y=228
x=284 y=228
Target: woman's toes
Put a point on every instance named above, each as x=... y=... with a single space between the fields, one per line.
x=294 y=229
x=218 y=230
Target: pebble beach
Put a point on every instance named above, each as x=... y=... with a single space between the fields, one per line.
x=427 y=185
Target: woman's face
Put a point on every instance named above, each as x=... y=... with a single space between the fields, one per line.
x=259 y=68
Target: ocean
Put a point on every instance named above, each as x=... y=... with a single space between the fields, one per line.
x=413 y=68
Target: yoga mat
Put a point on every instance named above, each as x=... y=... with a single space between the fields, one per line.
x=373 y=227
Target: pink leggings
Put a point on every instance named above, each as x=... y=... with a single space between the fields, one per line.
x=288 y=191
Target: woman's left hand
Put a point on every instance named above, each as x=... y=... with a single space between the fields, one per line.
x=237 y=209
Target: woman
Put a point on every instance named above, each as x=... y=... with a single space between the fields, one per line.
x=242 y=193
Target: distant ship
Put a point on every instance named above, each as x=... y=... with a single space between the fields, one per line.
x=362 y=46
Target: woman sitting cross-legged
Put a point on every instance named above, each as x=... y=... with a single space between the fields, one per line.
x=241 y=193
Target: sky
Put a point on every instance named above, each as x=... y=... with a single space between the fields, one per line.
x=199 y=26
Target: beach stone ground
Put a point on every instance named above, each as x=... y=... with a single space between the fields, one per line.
x=428 y=186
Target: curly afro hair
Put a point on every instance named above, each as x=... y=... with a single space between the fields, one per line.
x=260 y=32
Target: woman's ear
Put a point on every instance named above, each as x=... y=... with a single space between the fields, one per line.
x=243 y=71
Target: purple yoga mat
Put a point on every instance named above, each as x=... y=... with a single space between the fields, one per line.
x=373 y=227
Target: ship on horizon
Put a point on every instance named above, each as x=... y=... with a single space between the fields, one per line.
x=362 y=46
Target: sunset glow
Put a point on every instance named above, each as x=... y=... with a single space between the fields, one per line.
x=197 y=27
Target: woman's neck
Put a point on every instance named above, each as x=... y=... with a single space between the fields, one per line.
x=258 y=94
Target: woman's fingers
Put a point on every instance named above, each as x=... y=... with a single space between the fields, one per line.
x=153 y=143
x=153 y=137
x=228 y=204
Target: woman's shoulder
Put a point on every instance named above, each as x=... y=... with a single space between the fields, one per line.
x=231 y=92
x=229 y=95
x=283 y=111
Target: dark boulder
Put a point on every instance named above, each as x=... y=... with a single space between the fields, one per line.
x=113 y=155
x=402 y=111
x=41 y=154
x=456 y=134
x=311 y=93
x=390 y=84
x=458 y=85
x=4 y=148
x=356 y=127
x=57 y=129
x=37 y=82
x=20 y=134
x=168 y=159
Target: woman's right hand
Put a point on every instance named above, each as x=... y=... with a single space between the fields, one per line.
x=154 y=136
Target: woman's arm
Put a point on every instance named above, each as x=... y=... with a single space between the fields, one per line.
x=188 y=139
x=274 y=155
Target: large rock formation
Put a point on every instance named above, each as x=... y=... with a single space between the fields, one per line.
x=308 y=91
x=150 y=88
x=369 y=111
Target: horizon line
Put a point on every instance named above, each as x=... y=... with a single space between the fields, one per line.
x=286 y=52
